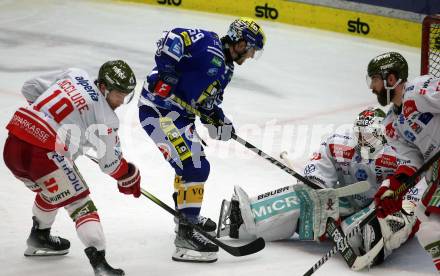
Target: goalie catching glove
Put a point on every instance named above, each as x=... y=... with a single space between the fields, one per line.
x=130 y=183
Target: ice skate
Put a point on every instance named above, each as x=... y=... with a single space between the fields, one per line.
x=230 y=219
x=99 y=263
x=42 y=243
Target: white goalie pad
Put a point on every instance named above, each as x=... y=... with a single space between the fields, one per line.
x=272 y=215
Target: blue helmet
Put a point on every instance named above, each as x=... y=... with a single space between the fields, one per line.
x=248 y=30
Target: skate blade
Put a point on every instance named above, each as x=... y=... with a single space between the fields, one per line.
x=192 y=256
x=222 y=227
x=44 y=252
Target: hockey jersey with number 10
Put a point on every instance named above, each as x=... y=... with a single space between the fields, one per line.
x=68 y=113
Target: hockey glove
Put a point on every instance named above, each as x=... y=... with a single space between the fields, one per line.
x=164 y=85
x=130 y=183
x=220 y=128
x=384 y=199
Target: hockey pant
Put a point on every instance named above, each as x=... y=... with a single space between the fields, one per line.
x=279 y=214
x=174 y=136
x=57 y=183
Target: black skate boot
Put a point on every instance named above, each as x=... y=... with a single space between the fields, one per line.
x=205 y=223
x=100 y=265
x=42 y=243
x=230 y=219
x=191 y=246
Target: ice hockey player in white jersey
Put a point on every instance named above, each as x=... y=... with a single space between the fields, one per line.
x=69 y=113
x=343 y=159
x=413 y=127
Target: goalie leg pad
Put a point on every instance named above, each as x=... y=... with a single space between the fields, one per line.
x=272 y=215
x=394 y=230
x=429 y=237
x=316 y=207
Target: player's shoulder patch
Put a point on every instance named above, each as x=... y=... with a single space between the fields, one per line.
x=174 y=46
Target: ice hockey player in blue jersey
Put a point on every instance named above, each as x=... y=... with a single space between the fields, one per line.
x=195 y=66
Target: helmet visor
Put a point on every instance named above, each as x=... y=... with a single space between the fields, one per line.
x=256 y=52
x=129 y=97
x=372 y=80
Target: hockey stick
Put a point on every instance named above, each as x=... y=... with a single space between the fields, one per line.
x=360 y=261
x=248 y=145
x=342 y=245
x=246 y=249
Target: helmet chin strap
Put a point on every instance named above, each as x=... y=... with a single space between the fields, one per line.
x=106 y=93
x=391 y=88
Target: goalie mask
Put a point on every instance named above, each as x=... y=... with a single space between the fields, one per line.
x=368 y=129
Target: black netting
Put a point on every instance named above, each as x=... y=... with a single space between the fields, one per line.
x=434 y=50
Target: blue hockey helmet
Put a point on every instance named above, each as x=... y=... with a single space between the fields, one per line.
x=248 y=30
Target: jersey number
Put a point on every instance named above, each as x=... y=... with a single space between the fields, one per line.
x=195 y=35
x=60 y=109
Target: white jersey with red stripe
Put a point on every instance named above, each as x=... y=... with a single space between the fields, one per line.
x=339 y=163
x=69 y=114
x=414 y=128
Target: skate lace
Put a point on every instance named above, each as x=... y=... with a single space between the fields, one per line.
x=202 y=220
x=200 y=238
x=54 y=239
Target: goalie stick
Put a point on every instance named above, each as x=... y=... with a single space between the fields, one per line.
x=238 y=251
x=361 y=261
x=245 y=143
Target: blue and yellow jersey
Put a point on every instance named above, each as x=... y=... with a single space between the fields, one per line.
x=195 y=58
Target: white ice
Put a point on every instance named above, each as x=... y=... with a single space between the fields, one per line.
x=308 y=82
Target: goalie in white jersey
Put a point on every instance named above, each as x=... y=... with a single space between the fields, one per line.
x=68 y=114
x=413 y=127
x=343 y=159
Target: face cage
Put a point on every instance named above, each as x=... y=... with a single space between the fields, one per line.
x=369 y=137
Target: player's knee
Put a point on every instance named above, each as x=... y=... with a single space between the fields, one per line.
x=88 y=226
x=82 y=211
x=193 y=173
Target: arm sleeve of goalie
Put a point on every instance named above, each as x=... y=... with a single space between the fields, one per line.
x=321 y=167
